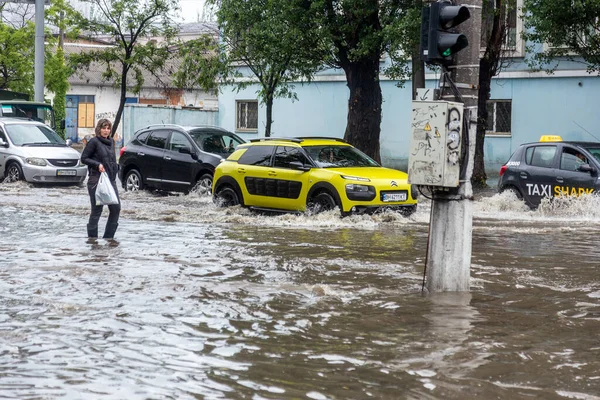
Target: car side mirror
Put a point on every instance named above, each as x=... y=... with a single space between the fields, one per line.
x=68 y=142
x=299 y=166
x=3 y=143
x=185 y=150
x=587 y=168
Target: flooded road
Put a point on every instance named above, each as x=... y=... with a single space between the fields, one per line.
x=195 y=302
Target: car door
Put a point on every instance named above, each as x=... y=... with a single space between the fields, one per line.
x=288 y=185
x=570 y=179
x=538 y=175
x=178 y=164
x=151 y=157
x=252 y=175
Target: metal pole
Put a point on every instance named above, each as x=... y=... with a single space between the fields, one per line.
x=450 y=242
x=39 y=50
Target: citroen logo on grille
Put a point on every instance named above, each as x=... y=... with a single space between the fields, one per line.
x=394 y=184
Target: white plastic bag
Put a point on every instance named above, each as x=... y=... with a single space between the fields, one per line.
x=105 y=193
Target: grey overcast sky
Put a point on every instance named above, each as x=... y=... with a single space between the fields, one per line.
x=191 y=10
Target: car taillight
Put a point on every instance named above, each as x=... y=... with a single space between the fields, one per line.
x=503 y=170
x=122 y=151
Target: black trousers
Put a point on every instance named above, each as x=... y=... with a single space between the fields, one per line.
x=114 y=209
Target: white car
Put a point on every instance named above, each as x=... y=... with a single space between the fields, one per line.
x=32 y=151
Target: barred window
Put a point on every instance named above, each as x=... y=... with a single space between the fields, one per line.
x=499 y=120
x=247 y=115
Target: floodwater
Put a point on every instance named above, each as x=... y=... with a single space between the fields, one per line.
x=195 y=302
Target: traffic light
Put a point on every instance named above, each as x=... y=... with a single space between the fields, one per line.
x=439 y=42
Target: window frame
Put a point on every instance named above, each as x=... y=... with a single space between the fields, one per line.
x=519 y=48
x=238 y=123
x=87 y=101
x=495 y=132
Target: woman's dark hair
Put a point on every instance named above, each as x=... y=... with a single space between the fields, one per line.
x=101 y=124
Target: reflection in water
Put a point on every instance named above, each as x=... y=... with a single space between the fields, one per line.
x=192 y=301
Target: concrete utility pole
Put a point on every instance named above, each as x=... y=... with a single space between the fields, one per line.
x=450 y=243
x=39 y=51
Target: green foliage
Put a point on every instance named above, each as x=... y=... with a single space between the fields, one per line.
x=274 y=39
x=16 y=57
x=359 y=30
x=570 y=29
x=140 y=33
x=203 y=63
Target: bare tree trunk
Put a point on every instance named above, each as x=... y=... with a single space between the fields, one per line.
x=488 y=68
x=363 y=129
x=418 y=72
x=121 y=101
x=269 y=115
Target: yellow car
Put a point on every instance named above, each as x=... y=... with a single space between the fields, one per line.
x=309 y=174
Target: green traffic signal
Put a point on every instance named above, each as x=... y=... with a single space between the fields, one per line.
x=439 y=41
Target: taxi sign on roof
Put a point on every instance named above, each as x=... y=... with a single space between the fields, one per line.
x=550 y=138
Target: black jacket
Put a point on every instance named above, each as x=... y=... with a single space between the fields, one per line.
x=100 y=151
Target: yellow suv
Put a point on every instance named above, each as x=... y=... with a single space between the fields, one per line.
x=310 y=174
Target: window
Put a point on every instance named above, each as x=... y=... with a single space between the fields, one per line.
x=580 y=36
x=86 y=112
x=540 y=156
x=571 y=159
x=143 y=136
x=257 y=155
x=499 y=120
x=286 y=154
x=247 y=115
x=512 y=42
x=158 y=139
x=179 y=141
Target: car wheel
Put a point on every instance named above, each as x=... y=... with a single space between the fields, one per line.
x=514 y=191
x=227 y=197
x=323 y=201
x=204 y=185
x=133 y=181
x=13 y=172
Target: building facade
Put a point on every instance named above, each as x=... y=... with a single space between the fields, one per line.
x=524 y=105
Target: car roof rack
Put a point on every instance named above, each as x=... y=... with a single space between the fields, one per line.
x=322 y=138
x=266 y=139
x=298 y=139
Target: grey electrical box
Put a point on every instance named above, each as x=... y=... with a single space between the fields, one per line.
x=436 y=135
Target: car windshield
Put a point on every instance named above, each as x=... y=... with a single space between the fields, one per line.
x=216 y=141
x=33 y=135
x=35 y=112
x=331 y=156
x=595 y=151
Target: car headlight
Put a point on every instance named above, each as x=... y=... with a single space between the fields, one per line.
x=355 y=178
x=353 y=187
x=40 y=162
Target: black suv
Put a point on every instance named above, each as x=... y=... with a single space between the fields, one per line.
x=551 y=168
x=174 y=157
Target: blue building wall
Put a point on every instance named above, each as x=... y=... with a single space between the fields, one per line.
x=541 y=104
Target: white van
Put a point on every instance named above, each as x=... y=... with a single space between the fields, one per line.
x=31 y=151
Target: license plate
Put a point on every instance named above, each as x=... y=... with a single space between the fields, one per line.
x=66 y=172
x=394 y=197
